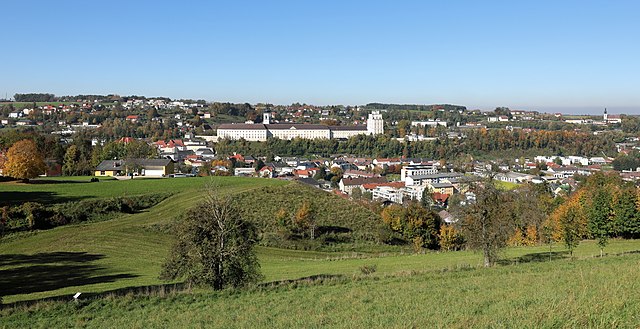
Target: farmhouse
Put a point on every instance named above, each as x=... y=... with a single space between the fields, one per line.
x=141 y=167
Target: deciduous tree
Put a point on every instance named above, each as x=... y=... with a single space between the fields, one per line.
x=487 y=221
x=24 y=161
x=214 y=246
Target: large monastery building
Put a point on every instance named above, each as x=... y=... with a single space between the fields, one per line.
x=266 y=129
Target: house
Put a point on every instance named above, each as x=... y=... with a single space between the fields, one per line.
x=447 y=217
x=309 y=181
x=132 y=118
x=441 y=188
x=413 y=170
x=266 y=172
x=244 y=171
x=348 y=184
x=138 y=167
x=358 y=173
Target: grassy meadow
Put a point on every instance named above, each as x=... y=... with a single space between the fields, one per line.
x=583 y=293
x=532 y=287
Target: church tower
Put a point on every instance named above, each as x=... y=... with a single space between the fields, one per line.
x=266 y=118
x=375 y=124
x=605 y=116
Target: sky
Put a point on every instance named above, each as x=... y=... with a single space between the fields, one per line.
x=568 y=56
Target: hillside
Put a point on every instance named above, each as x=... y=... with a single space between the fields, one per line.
x=123 y=252
x=339 y=220
x=561 y=293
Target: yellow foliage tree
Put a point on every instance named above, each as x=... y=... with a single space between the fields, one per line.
x=450 y=238
x=24 y=161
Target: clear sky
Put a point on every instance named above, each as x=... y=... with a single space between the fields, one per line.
x=573 y=56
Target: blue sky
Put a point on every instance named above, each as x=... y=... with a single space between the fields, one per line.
x=573 y=56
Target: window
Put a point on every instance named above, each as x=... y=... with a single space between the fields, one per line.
x=102 y=173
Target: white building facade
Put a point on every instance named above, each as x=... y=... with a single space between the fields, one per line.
x=288 y=131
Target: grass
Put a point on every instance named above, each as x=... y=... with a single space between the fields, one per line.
x=340 y=222
x=52 y=191
x=557 y=294
x=107 y=255
x=445 y=289
x=506 y=185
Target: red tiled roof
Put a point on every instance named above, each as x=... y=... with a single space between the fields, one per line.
x=440 y=197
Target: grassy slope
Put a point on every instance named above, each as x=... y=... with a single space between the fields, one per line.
x=262 y=204
x=583 y=293
x=127 y=247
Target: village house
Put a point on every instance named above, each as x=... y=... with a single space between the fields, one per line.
x=348 y=184
x=137 y=167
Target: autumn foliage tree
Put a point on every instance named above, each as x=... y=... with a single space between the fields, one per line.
x=24 y=161
x=304 y=219
x=415 y=223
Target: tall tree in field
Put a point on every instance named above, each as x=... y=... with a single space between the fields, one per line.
x=214 y=247
x=487 y=221
x=627 y=213
x=600 y=219
x=70 y=161
x=24 y=161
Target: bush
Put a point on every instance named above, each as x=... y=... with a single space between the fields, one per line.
x=32 y=215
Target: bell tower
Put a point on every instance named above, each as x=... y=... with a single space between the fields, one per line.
x=266 y=118
x=605 y=116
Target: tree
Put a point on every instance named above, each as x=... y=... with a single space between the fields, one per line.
x=627 y=213
x=214 y=246
x=427 y=198
x=258 y=165
x=305 y=219
x=415 y=223
x=450 y=238
x=70 y=160
x=600 y=219
x=571 y=229
x=487 y=220
x=24 y=161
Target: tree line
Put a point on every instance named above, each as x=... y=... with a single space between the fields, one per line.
x=476 y=142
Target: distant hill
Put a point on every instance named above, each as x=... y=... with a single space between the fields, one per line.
x=340 y=221
x=415 y=107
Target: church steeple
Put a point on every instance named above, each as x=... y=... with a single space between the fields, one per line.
x=605 y=116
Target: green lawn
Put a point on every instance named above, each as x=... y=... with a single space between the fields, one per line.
x=506 y=185
x=123 y=252
x=128 y=252
x=587 y=293
x=50 y=191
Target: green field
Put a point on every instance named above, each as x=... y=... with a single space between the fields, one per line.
x=422 y=290
x=559 y=294
x=52 y=192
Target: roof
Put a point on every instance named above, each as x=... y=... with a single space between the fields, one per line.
x=308 y=181
x=363 y=180
x=436 y=176
x=244 y=126
x=118 y=165
x=348 y=128
x=108 y=165
x=303 y=126
x=441 y=185
x=371 y=186
x=440 y=197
